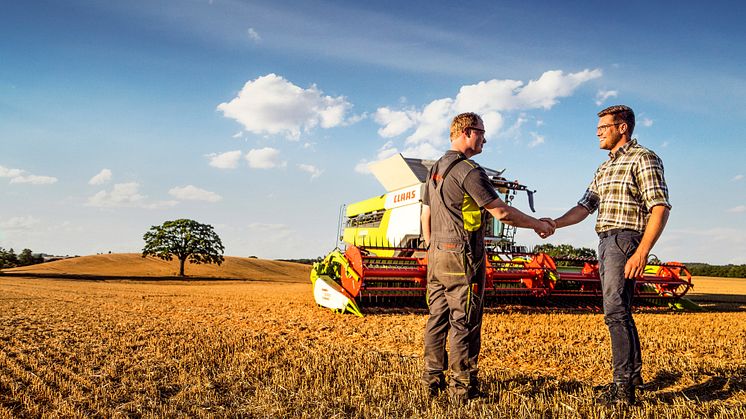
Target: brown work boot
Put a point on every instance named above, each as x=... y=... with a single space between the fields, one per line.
x=617 y=394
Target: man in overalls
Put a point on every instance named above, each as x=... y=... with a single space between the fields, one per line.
x=456 y=200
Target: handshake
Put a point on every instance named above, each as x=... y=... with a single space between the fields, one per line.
x=545 y=227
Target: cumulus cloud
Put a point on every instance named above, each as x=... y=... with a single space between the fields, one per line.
x=125 y=195
x=227 y=160
x=311 y=169
x=646 y=122
x=264 y=158
x=603 y=95
x=491 y=99
x=272 y=105
x=102 y=177
x=193 y=193
x=19 y=223
x=738 y=209
x=393 y=122
x=253 y=35
x=736 y=178
x=21 y=176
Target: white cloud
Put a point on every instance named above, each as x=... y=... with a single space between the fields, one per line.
x=738 y=209
x=543 y=93
x=253 y=35
x=227 y=160
x=122 y=195
x=362 y=167
x=193 y=193
x=125 y=195
x=537 y=140
x=272 y=105
x=488 y=98
x=11 y=173
x=736 y=178
x=264 y=158
x=602 y=95
x=102 y=177
x=311 y=169
x=646 y=122
x=239 y=134
x=34 y=179
x=665 y=144
x=19 y=223
x=21 y=176
x=393 y=122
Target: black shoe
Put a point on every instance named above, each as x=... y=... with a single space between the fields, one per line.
x=435 y=389
x=617 y=394
x=475 y=393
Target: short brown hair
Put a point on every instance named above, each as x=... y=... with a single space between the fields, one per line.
x=463 y=121
x=621 y=113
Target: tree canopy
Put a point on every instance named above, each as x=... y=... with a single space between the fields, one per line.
x=9 y=259
x=565 y=251
x=186 y=240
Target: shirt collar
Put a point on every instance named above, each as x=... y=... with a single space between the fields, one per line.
x=623 y=149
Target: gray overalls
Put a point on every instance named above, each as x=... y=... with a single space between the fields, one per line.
x=455 y=278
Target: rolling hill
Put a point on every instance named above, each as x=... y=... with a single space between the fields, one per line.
x=132 y=265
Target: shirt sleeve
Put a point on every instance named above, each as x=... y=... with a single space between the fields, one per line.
x=651 y=181
x=590 y=199
x=477 y=184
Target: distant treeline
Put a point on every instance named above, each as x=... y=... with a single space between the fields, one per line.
x=725 y=271
x=9 y=258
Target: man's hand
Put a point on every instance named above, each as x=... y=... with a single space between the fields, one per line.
x=635 y=266
x=545 y=228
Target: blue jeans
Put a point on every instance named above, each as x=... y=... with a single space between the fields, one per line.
x=613 y=252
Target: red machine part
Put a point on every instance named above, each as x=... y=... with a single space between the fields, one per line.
x=531 y=275
x=670 y=281
x=384 y=276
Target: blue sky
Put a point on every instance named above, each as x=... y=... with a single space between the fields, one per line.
x=259 y=117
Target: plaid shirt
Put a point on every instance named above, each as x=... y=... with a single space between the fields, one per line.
x=625 y=188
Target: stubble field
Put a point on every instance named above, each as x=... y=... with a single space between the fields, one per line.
x=254 y=348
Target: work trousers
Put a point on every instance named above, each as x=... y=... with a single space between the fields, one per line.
x=613 y=251
x=455 y=292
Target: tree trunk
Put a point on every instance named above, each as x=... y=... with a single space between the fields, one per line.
x=181 y=266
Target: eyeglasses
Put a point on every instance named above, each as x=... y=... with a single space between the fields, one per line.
x=479 y=130
x=606 y=126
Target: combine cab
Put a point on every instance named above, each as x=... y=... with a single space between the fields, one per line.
x=381 y=260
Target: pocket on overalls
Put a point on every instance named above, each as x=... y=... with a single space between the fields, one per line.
x=450 y=259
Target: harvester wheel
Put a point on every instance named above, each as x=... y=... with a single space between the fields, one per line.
x=679 y=285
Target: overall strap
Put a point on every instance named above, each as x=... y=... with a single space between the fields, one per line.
x=439 y=186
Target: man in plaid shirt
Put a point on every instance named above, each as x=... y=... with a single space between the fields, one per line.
x=631 y=196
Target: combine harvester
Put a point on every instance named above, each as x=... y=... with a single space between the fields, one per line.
x=381 y=260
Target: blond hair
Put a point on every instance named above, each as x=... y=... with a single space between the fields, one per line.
x=462 y=121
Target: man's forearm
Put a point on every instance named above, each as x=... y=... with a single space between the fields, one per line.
x=425 y=223
x=654 y=228
x=575 y=215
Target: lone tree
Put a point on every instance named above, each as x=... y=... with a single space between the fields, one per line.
x=185 y=239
